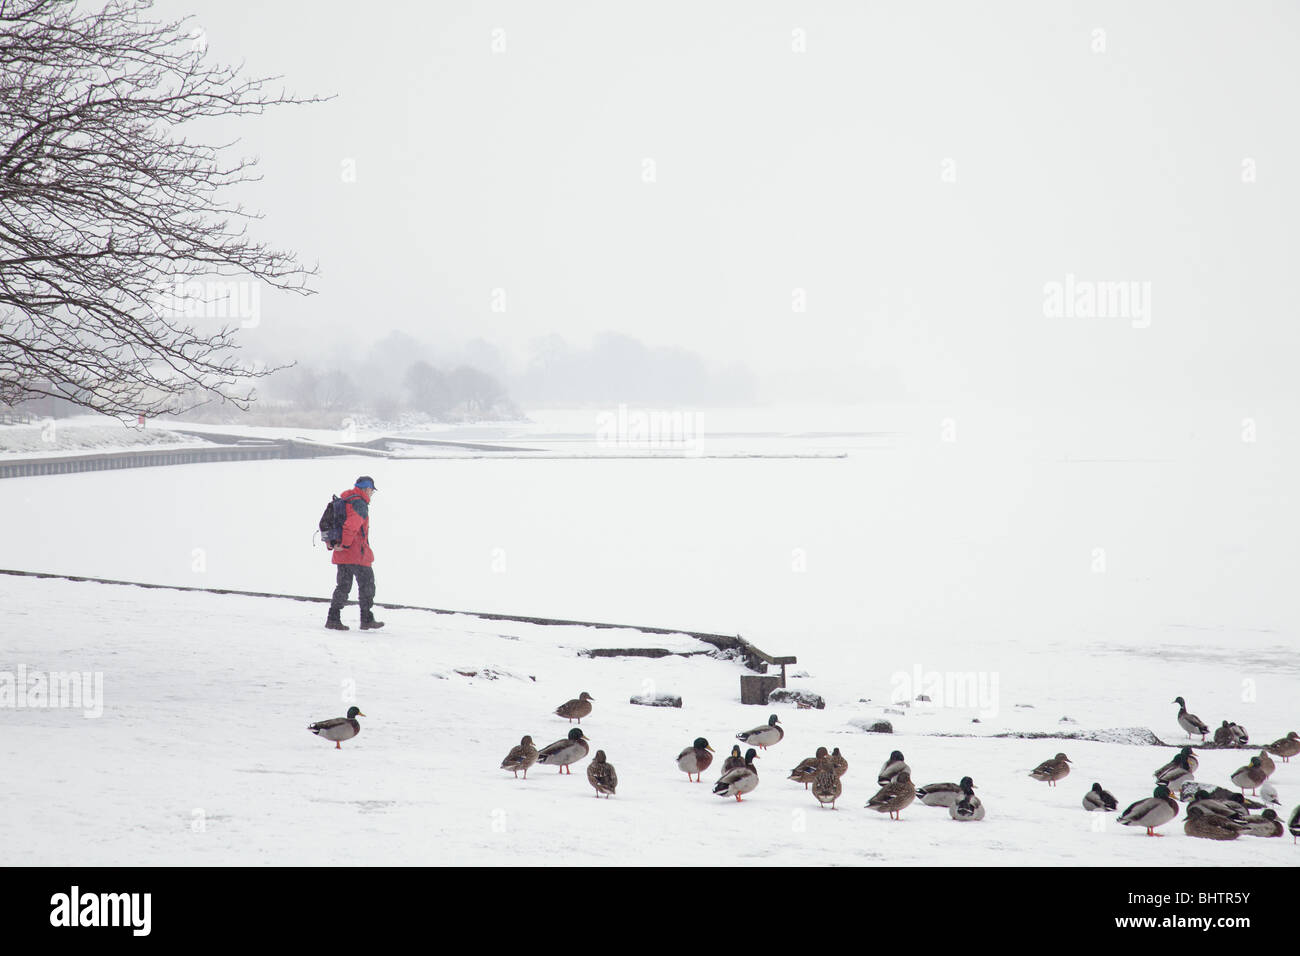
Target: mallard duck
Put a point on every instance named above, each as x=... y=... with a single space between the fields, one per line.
x=742 y=780
x=696 y=758
x=1156 y=810
x=1226 y=735
x=1265 y=825
x=840 y=764
x=1190 y=722
x=1251 y=775
x=735 y=761
x=521 y=757
x=893 y=797
x=1177 y=772
x=1099 y=799
x=942 y=794
x=1266 y=762
x=1184 y=762
x=891 y=768
x=826 y=785
x=577 y=708
x=1293 y=825
x=1239 y=731
x=1210 y=826
x=765 y=736
x=1050 y=771
x=1285 y=747
x=808 y=767
x=563 y=752
x=968 y=808
x=1239 y=800
x=601 y=775
x=339 y=729
x=1222 y=803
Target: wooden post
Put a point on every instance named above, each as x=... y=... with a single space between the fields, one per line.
x=754 y=688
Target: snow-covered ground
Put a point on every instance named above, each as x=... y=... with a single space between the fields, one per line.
x=83 y=435
x=202 y=754
x=1067 y=571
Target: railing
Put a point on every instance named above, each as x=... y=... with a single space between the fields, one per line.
x=753 y=657
x=138 y=458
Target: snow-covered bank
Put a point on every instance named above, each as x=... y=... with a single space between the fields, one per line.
x=202 y=756
x=70 y=436
x=1073 y=580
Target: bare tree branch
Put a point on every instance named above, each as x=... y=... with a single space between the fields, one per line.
x=115 y=229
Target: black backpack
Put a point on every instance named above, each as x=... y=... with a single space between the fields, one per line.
x=331 y=522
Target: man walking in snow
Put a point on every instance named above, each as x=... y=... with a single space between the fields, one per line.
x=353 y=557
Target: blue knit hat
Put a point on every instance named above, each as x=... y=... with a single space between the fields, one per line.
x=365 y=481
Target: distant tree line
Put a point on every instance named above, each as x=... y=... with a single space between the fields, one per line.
x=617 y=368
x=399 y=377
x=459 y=393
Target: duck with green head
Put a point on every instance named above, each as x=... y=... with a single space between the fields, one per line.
x=339 y=729
x=740 y=781
x=1251 y=775
x=1099 y=800
x=1156 y=810
x=695 y=759
x=1265 y=825
x=1183 y=764
x=1190 y=722
x=564 y=752
x=765 y=736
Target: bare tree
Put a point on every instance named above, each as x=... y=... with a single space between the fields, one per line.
x=427 y=389
x=116 y=232
x=478 y=390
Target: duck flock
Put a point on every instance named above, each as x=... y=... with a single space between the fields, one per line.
x=1213 y=812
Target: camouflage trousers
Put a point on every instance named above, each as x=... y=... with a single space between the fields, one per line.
x=365 y=589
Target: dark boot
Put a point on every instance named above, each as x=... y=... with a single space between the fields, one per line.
x=334 y=622
x=368 y=622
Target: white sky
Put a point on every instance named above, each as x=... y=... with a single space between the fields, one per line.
x=778 y=170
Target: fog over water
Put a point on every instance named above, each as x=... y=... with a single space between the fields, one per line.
x=838 y=203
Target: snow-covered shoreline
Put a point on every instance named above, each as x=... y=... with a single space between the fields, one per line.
x=202 y=757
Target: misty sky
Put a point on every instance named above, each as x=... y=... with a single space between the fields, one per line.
x=920 y=170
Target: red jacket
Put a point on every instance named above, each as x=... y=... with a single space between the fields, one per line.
x=355 y=546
